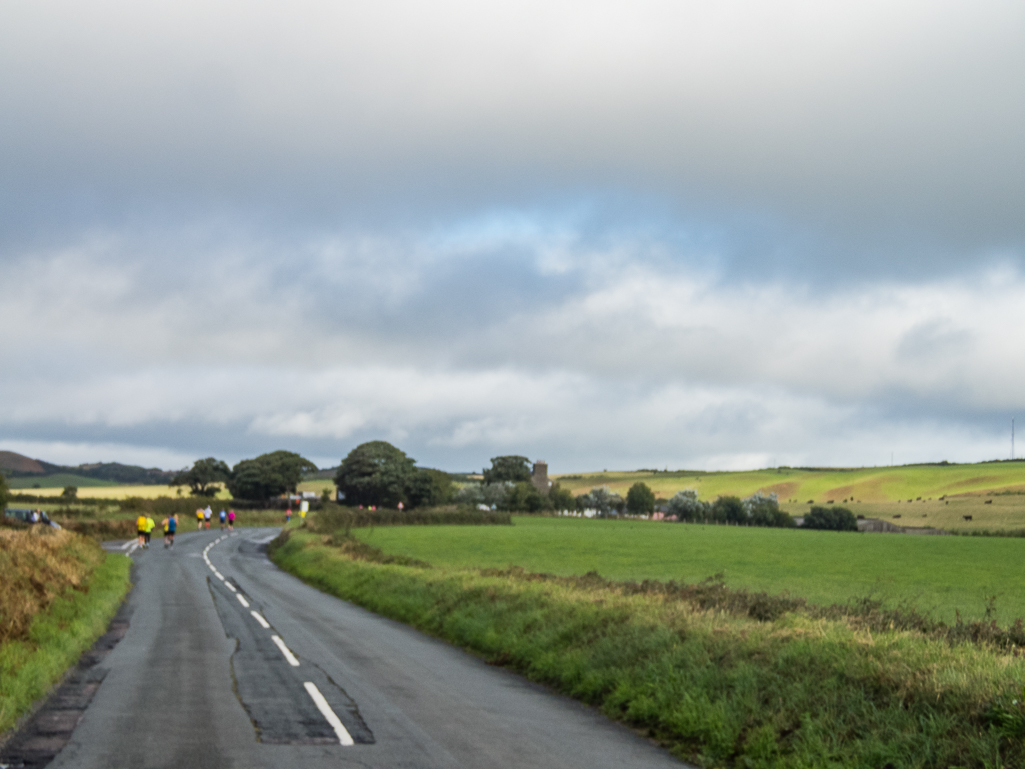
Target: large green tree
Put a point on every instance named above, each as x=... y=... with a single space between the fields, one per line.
x=268 y=475
x=204 y=477
x=508 y=468
x=375 y=473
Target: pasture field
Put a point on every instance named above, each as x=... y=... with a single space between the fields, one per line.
x=868 y=484
x=938 y=575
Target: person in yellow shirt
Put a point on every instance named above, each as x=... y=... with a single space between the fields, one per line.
x=150 y=525
x=199 y=517
x=140 y=528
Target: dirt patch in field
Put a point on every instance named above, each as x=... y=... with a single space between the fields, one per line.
x=784 y=490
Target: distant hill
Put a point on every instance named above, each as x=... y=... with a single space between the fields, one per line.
x=14 y=465
x=820 y=485
x=56 y=481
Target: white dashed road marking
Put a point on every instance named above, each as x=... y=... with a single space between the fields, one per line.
x=284 y=650
x=318 y=699
x=259 y=618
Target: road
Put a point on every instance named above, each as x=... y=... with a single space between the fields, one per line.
x=229 y=662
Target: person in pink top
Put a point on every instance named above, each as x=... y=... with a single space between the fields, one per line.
x=231 y=520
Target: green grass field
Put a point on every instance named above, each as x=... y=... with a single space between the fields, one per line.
x=868 y=484
x=938 y=575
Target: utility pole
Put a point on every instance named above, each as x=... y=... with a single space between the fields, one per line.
x=1012 y=439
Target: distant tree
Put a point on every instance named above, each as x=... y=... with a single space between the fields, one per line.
x=5 y=493
x=729 y=509
x=830 y=519
x=763 y=510
x=560 y=498
x=524 y=497
x=426 y=487
x=69 y=493
x=376 y=473
x=204 y=477
x=640 y=500
x=508 y=468
x=686 y=506
x=603 y=500
x=470 y=494
x=268 y=475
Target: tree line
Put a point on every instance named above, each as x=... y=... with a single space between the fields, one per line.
x=378 y=474
x=261 y=478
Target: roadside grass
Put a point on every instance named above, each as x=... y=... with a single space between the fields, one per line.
x=940 y=576
x=718 y=687
x=82 y=588
x=869 y=484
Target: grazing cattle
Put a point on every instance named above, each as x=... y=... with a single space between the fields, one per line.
x=988 y=502
x=967 y=517
x=897 y=515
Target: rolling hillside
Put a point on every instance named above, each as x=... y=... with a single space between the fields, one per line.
x=868 y=484
x=31 y=472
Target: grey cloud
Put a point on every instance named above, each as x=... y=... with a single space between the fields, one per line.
x=883 y=128
x=732 y=231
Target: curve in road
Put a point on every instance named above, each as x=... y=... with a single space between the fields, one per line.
x=229 y=662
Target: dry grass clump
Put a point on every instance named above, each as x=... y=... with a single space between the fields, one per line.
x=37 y=566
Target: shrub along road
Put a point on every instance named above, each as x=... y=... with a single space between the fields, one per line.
x=228 y=661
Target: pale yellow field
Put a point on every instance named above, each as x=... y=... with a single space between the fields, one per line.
x=318 y=486
x=121 y=492
x=152 y=492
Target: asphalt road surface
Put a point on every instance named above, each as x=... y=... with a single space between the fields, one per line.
x=229 y=662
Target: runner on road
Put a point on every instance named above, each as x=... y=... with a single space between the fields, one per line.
x=224 y=517
x=170 y=524
x=199 y=518
x=207 y=515
x=231 y=520
x=140 y=528
x=150 y=525
x=288 y=515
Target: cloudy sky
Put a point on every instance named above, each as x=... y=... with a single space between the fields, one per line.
x=606 y=234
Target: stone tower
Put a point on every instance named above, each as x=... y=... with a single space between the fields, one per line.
x=539 y=477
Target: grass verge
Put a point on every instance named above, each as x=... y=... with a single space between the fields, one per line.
x=35 y=658
x=718 y=686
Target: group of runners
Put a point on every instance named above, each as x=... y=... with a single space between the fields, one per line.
x=203 y=518
x=144 y=527
x=144 y=524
